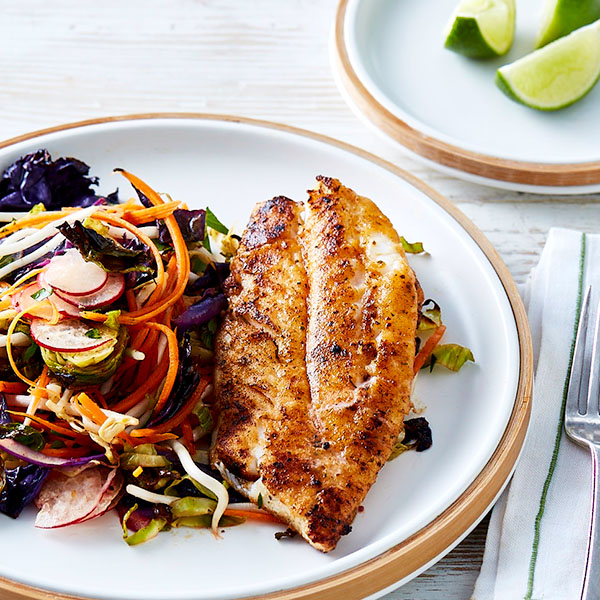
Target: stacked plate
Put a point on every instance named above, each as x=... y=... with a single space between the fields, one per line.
x=391 y=64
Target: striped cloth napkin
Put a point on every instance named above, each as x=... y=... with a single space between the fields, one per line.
x=536 y=543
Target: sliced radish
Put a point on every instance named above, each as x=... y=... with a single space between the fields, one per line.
x=64 y=308
x=71 y=500
x=111 y=291
x=25 y=301
x=71 y=274
x=69 y=335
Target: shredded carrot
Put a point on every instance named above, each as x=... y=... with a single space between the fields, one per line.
x=153 y=381
x=131 y=304
x=144 y=215
x=178 y=418
x=136 y=343
x=126 y=364
x=12 y=387
x=188 y=436
x=98 y=397
x=181 y=253
x=123 y=436
x=90 y=409
x=172 y=266
x=55 y=438
x=145 y=367
x=428 y=347
x=150 y=341
x=52 y=426
x=173 y=364
x=40 y=390
x=66 y=452
x=251 y=514
x=139 y=337
x=149 y=439
x=39 y=220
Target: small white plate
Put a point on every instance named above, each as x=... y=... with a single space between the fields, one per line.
x=393 y=68
x=478 y=416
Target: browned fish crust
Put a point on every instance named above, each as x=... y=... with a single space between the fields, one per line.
x=314 y=358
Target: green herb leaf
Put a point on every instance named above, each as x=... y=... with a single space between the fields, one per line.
x=162 y=246
x=214 y=223
x=206 y=335
x=23 y=434
x=41 y=294
x=415 y=248
x=93 y=333
x=260 y=501
x=197 y=265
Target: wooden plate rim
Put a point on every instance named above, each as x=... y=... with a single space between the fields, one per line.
x=474 y=163
x=434 y=539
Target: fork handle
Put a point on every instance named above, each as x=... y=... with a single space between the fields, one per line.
x=591 y=578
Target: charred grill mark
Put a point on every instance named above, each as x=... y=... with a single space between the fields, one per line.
x=323 y=526
x=333 y=184
x=289 y=472
x=270 y=222
x=367 y=349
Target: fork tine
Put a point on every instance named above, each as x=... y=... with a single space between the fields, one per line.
x=594 y=384
x=577 y=368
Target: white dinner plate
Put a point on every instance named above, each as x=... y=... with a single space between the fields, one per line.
x=391 y=64
x=422 y=503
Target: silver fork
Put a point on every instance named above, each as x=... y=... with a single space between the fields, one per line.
x=582 y=424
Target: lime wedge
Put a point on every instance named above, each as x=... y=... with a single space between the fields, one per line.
x=557 y=74
x=481 y=28
x=561 y=17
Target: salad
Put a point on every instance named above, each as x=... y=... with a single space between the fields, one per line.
x=108 y=311
x=107 y=314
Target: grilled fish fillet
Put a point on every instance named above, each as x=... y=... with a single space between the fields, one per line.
x=314 y=358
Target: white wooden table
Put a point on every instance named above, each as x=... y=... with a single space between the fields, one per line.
x=69 y=60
